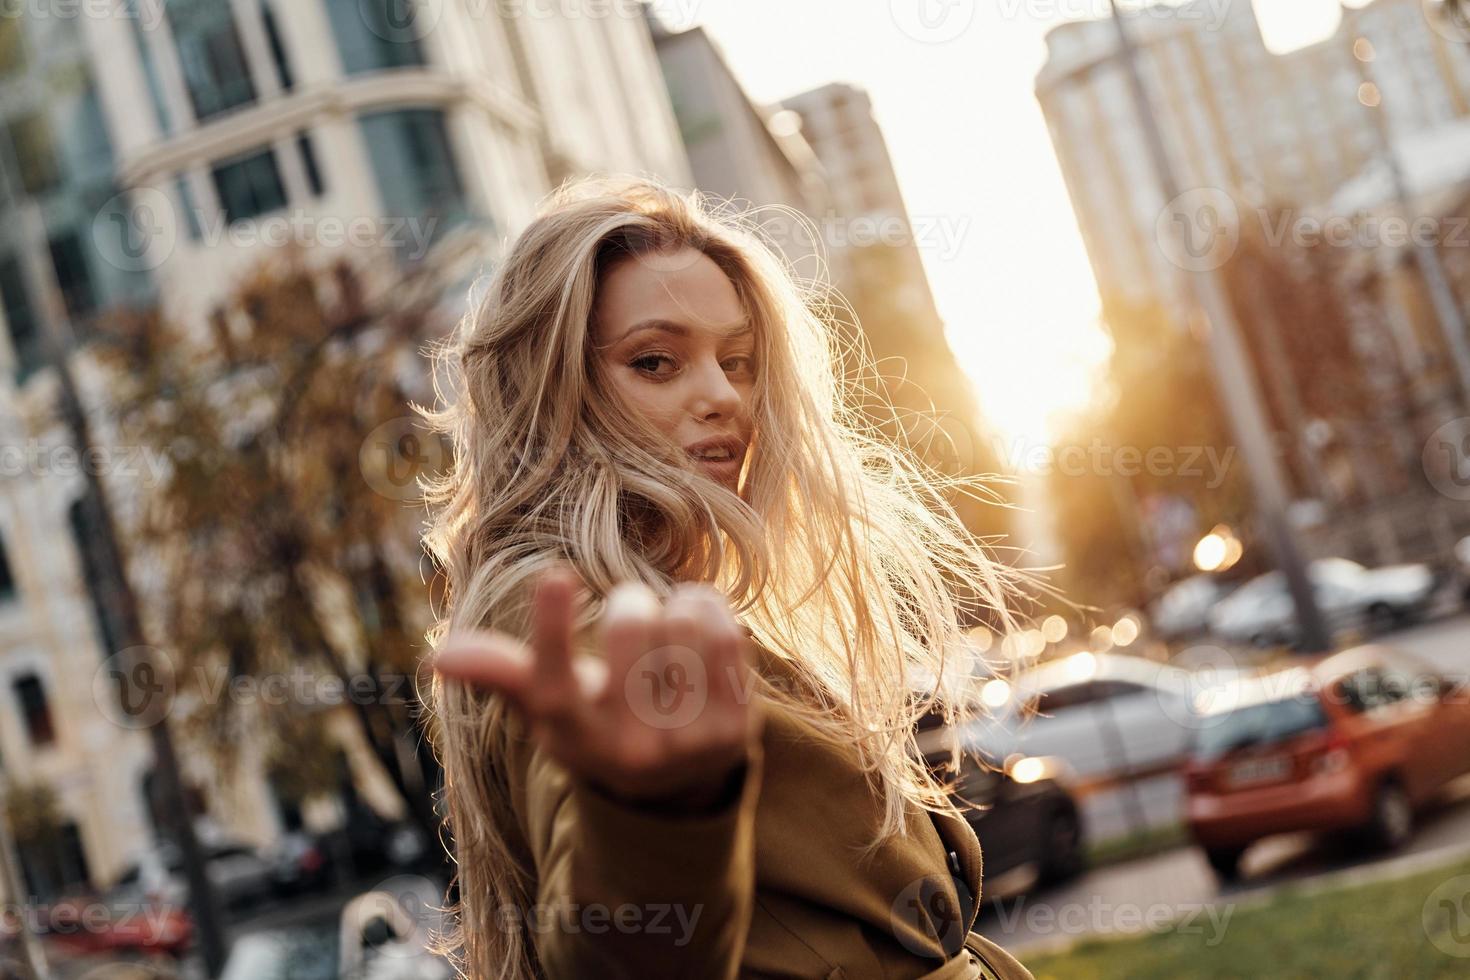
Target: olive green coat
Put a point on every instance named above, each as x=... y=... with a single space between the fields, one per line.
x=770 y=885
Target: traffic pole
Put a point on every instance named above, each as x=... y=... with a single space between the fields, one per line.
x=1234 y=378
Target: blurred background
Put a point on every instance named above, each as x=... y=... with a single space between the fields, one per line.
x=1188 y=282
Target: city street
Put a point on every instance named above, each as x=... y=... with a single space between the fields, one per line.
x=1179 y=884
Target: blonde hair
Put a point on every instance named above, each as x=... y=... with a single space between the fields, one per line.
x=840 y=553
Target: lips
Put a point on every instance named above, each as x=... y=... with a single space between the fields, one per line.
x=719 y=449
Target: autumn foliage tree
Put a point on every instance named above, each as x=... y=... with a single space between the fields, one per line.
x=1160 y=394
x=283 y=537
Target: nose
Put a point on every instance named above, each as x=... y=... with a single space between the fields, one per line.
x=714 y=397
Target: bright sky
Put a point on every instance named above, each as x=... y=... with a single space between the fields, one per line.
x=952 y=87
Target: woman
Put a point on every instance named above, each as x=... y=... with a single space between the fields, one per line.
x=650 y=432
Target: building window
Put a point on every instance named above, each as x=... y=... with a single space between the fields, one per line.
x=150 y=69
x=215 y=69
x=309 y=163
x=73 y=277
x=250 y=186
x=20 y=318
x=376 y=34
x=54 y=863
x=35 y=712
x=35 y=154
x=415 y=168
x=278 y=50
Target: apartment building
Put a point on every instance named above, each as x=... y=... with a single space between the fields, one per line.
x=1267 y=129
x=144 y=148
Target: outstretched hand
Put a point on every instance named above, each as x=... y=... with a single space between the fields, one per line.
x=662 y=716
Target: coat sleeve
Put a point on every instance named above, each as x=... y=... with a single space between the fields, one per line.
x=624 y=891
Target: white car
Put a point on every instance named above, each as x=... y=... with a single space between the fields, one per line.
x=1262 y=613
x=1184 y=608
x=1105 y=714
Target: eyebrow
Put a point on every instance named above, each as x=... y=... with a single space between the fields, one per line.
x=740 y=329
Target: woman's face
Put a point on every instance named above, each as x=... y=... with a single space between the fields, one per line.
x=680 y=351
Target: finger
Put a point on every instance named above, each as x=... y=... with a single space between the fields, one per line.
x=686 y=668
x=554 y=691
x=739 y=673
x=629 y=633
x=487 y=659
x=729 y=689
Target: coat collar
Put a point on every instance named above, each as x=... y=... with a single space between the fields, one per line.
x=959 y=837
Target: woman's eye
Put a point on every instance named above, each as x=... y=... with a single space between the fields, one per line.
x=742 y=363
x=649 y=363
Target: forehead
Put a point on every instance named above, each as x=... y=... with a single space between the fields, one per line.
x=683 y=286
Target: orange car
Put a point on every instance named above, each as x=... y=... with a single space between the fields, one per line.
x=1358 y=741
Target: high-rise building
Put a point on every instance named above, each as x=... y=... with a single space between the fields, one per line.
x=876 y=244
x=154 y=152
x=837 y=120
x=753 y=156
x=1267 y=129
x=1265 y=149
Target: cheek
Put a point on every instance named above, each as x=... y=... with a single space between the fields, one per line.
x=655 y=404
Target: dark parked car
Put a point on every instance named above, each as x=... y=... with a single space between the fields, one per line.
x=1021 y=809
x=240 y=876
x=299 y=863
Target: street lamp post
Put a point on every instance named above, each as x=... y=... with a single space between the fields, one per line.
x=1234 y=378
x=116 y=596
